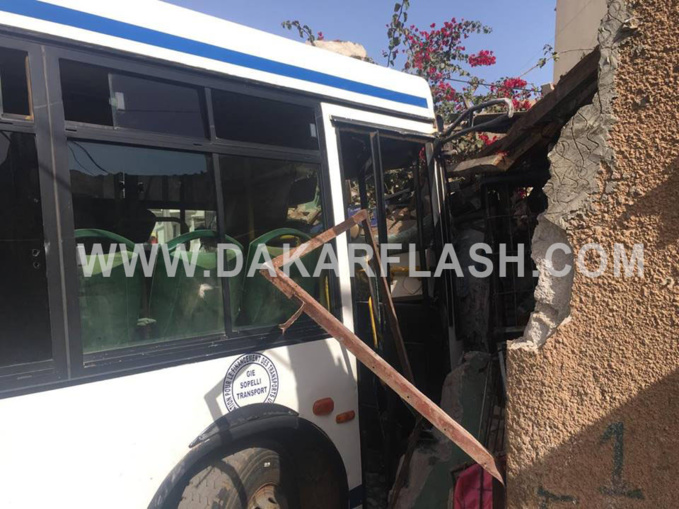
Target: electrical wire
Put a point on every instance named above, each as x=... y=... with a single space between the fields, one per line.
x=89 y=156
x=559 y=33
x=488 y=85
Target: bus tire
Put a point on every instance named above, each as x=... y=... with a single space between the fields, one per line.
x=252 y=478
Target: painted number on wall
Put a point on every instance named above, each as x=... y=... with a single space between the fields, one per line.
x=617 y=487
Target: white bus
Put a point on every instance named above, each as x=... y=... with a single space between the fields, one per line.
x=139 y=122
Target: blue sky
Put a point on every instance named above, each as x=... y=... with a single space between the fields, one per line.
x=520 y=29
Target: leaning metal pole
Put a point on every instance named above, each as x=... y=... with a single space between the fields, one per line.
x=397 y=382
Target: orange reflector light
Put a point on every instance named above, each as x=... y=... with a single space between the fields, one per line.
x=324 y=406
x=345 y=417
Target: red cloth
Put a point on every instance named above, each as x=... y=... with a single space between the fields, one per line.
x=474 y=489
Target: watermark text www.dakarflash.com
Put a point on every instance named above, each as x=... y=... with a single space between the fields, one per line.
x=591 y=260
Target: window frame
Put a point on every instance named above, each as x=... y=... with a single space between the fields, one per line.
x=155 y=355
x=270 y=97
x=56 y=368
x=375 y=133
x=68 y=366
x=211 y=143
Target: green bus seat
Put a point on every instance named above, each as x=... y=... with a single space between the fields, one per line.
x=262 y=304
x=109 y=306
x=184 y=306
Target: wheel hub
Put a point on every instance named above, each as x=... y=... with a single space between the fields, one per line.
x=268 y=496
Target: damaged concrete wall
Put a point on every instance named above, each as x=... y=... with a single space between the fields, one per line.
x=594 y=383
x=346 y=48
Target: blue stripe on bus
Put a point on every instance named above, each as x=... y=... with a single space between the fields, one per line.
x=99 y=24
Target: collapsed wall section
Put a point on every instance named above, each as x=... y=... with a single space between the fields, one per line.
x=577 y=162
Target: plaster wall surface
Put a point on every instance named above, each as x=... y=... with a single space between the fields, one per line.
x=593 y=396
x=577 y=25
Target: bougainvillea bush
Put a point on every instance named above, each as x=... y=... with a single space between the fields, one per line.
x=439 y=54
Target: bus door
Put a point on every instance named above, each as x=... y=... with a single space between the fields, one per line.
x=386 y=173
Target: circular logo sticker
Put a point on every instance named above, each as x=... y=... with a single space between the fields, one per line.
x=252 y=378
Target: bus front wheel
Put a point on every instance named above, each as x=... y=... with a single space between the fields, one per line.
x=253 y=478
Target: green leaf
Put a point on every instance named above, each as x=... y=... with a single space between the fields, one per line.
x=397 y=7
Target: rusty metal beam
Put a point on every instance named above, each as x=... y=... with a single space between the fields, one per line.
x=397 y=382
x=360 y=218
x=323 y=238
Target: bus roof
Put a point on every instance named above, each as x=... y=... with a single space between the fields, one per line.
x=156 y=29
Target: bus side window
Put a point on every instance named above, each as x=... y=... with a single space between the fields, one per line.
x=136 y=197
x=100 y=96
x=157 y=106
x=24 y=311
x=408 y=212
x=14 y=83
x=240 y=117
x=269 y=204
x=24 y=305
x=85 y=93
x=125 y=196
x=407 y=216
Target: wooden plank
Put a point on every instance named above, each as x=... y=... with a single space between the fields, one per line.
x=495 y=163
x=544 y=133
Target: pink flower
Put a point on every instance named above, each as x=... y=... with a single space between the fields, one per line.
x=487 y=139
x=483 y=57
